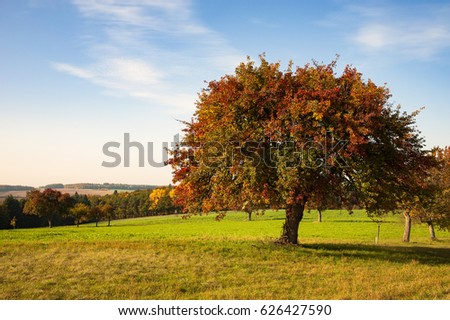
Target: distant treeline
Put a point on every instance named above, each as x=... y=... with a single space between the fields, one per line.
x=53 y=186
x=53 y=208
x=96 y=186
x=108 y=186
x=7 y=188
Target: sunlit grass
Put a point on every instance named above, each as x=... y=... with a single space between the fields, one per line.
x=199 y=258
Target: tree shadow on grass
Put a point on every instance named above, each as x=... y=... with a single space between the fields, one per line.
x=398 y=254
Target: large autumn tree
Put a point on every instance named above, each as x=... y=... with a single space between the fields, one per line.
x=265 y=137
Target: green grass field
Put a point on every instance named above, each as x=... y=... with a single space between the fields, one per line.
x=199 y=258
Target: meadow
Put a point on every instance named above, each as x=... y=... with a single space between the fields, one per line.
x=167 y=257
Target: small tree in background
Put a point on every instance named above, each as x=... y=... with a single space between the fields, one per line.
x=432 y=204
x=108 y=212
x=161 y=201
x=77 y=198
x=13 y=222
x=12 y=210
x=48 y=204
x=396 y=168
x=79 y=213
x=321 y=202
x=96 y=214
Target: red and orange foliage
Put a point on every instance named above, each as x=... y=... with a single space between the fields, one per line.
x=265 y=137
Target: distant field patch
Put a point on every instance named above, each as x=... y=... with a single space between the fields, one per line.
x=22 y=194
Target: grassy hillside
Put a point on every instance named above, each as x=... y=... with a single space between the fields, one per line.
x=199 y=258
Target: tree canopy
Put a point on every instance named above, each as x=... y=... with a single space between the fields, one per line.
x=47 y=204
x=265 y=137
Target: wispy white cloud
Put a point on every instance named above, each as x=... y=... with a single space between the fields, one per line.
x=164 y=16
x=150 y=49
x=75 y=71
x=419 y=40
x=407 y=31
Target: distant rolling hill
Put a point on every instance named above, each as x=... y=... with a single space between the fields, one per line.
x=23 y=193
x=81 y=188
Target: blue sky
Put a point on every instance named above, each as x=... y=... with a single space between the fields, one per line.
x=75 y=75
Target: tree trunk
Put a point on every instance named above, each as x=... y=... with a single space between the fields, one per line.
x=294 y=214
x=431 y=229
x=109 y=222
x=49 y=223
x=96 y=223
x=319 y=215
x=249 y=216
x=377 y=239
x=407 y=230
